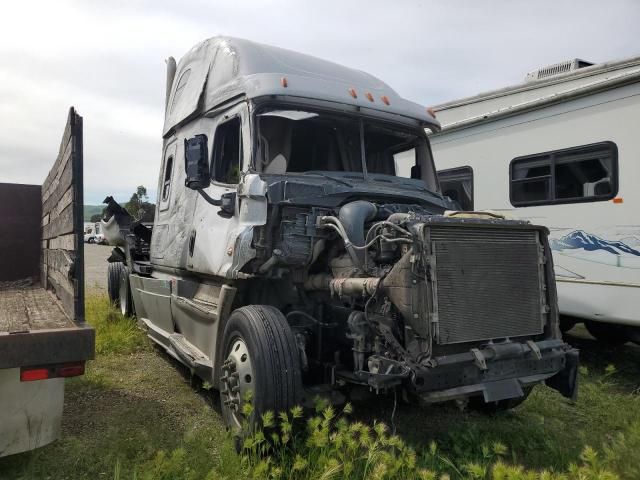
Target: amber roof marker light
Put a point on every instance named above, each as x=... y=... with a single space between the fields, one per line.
x=352 y=92
x=385 y=100
x=618 y=200
x=369 y=96
x=431 y=112
x=284 y=82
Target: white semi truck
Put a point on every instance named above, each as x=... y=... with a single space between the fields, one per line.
x=290 y=257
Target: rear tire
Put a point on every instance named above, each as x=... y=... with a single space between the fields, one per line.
x=608 y=333
x=126 y=302
x=260 y=361
x=492 y=408
x=113 y=281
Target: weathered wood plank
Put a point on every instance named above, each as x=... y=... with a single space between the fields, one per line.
x=64 y=242
x=64 y=290
x=56 y=171
x=62 y=184
x=59 y=225
x=61 y=260
x=63 y=152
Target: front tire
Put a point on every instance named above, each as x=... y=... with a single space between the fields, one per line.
x=260 y=363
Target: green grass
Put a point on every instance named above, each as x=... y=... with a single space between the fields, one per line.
x=138 y=414
x=114 y=332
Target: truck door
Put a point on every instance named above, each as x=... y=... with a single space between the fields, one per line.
x=214 y=237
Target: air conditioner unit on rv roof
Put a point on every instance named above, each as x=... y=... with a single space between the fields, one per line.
x=557 y=69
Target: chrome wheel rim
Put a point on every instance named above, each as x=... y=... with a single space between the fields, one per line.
x=236 y=381
x=123 y=296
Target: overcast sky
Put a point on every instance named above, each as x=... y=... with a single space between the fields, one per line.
x=107 y=59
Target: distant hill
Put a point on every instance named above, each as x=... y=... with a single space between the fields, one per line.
x=90 y=210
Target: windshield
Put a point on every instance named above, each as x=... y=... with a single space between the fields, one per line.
x=297 y=141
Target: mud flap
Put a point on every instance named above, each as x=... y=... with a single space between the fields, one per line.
x=566 y=381
x=502 y=390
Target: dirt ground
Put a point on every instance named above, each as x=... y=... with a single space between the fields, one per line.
x=95 y=266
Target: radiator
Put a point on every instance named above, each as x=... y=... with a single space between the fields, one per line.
x=488 y=283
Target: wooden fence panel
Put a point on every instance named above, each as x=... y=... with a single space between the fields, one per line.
x=62 y=268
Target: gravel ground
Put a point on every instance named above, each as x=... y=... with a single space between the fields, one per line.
x=95 y=266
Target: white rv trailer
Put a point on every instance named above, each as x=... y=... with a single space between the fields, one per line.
x=561 y=149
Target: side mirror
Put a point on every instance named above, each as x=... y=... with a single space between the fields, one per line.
x=416 y=172
x=196 y=162
x=227 y=205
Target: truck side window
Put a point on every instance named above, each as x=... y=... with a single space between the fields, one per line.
x=166 y=183
x=457 y=184
x=587 y=173
x=227 y=152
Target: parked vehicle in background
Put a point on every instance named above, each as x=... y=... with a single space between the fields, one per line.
x=559 y=150
x=93 y=233
x=43 y=337
x=291 y=256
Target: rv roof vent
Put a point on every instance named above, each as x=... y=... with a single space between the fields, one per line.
x=557 y=69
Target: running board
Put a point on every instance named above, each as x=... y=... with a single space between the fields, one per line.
x=181 y=349
x=191 y=356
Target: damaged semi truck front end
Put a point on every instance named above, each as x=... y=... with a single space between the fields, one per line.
x=444 y=306
x=302 y=247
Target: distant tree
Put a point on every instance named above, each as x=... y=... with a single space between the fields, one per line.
x=95 y=218
x=139 y=207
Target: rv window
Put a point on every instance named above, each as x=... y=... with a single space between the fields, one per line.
x=580 y=174
x=457 y=184
x=227 y=152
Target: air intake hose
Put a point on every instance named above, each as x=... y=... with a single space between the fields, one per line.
x=353 y=216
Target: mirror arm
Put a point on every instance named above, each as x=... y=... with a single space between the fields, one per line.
x=208 y=199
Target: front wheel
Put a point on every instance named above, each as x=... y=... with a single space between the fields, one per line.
x=260 y=364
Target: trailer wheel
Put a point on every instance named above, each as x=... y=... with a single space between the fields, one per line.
x=113 y=281
x=491 y=408
x=608 y=333
x=260 y=364
x=124 y=293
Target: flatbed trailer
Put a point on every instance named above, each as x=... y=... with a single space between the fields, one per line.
x=43 y=336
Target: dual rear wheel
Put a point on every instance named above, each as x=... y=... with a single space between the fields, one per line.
x=119 y=287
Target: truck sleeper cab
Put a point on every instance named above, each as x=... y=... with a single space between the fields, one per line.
x=301 y=246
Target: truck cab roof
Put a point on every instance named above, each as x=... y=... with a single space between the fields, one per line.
x=221 y=70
